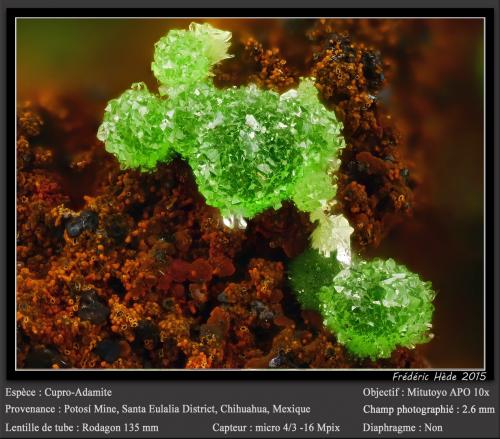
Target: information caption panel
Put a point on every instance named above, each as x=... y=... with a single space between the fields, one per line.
x=437 y=404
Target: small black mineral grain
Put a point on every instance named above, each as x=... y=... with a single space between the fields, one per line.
x=92 y=308
x=42 y=357
x=108 y=350
x=147 y=330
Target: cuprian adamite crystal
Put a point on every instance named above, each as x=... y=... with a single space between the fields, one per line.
x=183 y=58
x=134 y=129
x=255 y=148
x=310 y=271
x=375 y=306
x=249 y=149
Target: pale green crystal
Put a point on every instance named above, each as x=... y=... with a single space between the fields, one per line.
x=313 y=189
x=134 y=129
x=375 y=306
x=332 y=234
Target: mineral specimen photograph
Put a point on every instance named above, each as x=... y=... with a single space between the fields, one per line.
x=249 y=194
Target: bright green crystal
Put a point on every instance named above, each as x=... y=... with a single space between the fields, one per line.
x=246 y=159
x=375 y=306
x=249 y=149
x=183 y=58
x=134 y=129
x=323 y=140
x=253 y=148
x=309 y=272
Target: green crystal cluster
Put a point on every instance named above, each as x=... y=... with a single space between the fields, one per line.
x=183 y=58
x=253 y=148
x=134 y=129
x=371 y=306
x=249 y=149
x=374 y=306
x=308 y=273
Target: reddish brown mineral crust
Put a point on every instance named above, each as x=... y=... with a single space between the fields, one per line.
x=159 y=274
x=273 y=71
x=374 y=190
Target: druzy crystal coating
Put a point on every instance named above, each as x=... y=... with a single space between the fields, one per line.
x=375 y=306
x=254 y=148
x=184 y=58
x=133 y=129
x=309 y=272
x=249 y=149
